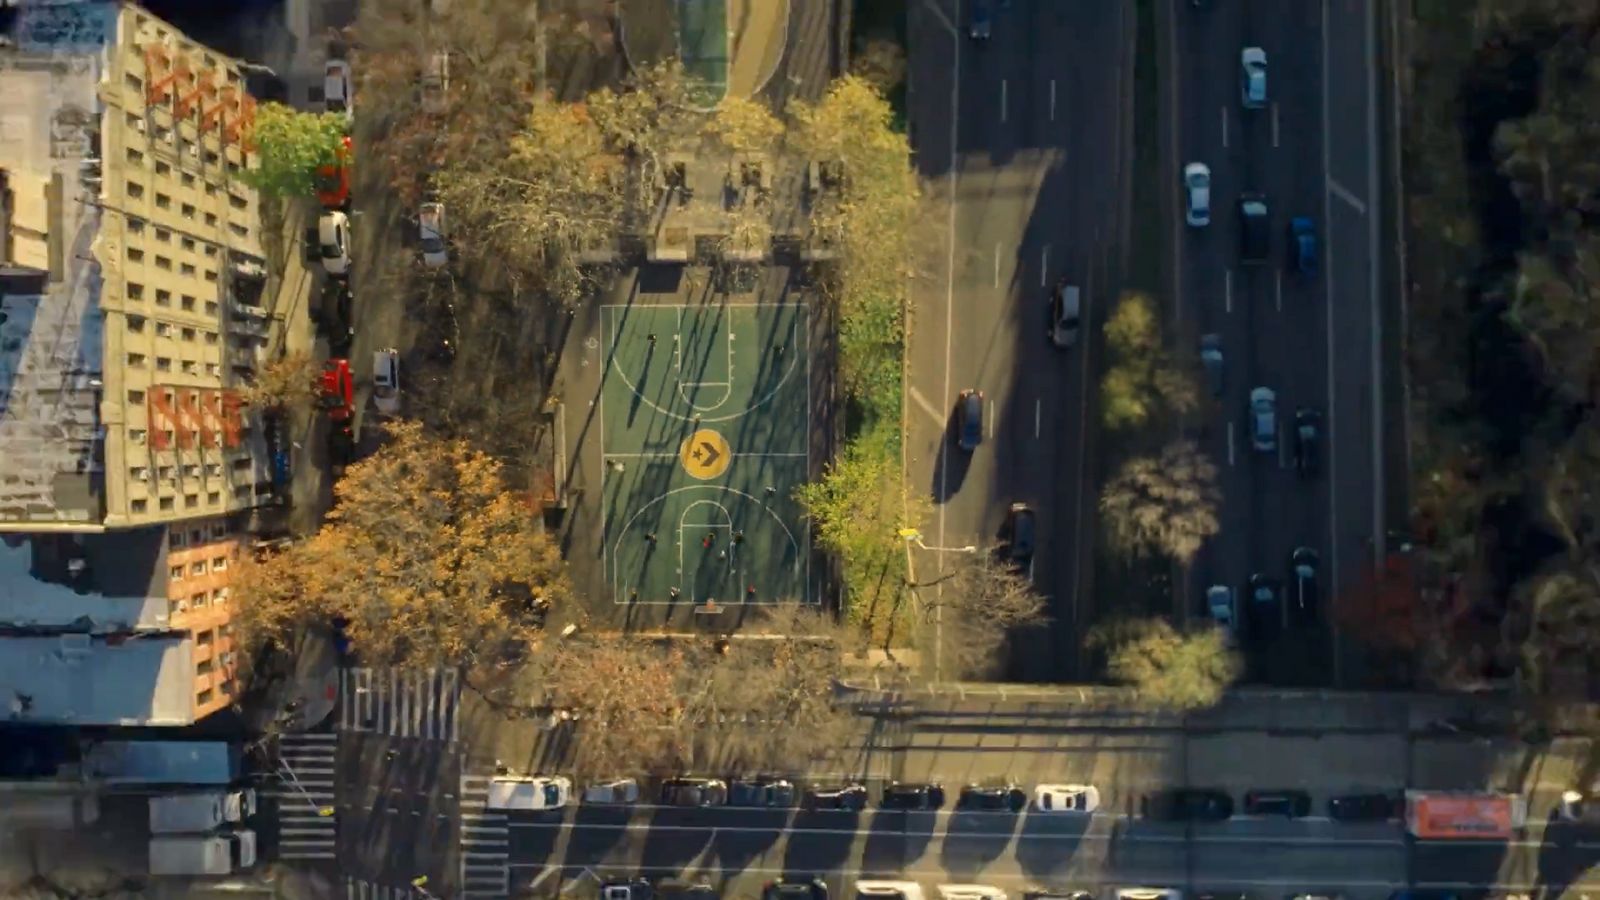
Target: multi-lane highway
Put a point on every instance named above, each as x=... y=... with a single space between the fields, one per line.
x=1310 y=338
x=1022 y=141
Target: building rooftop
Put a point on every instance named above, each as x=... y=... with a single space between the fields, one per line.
x=108 y=582
x=83 y=680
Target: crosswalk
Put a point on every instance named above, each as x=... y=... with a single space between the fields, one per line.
x=304 y=789
x=409 y=703
x=485 y=843
x=356 y=889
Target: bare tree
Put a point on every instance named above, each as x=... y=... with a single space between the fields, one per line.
x=1166 y=504
x=968 y=615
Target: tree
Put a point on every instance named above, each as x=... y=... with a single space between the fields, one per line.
x=1384 y=607
x=1142 y=378
x=650 y=117
x=745 y=126
x=1168 y=668
x=882 y=64
x=426 y=554
x=289 y=146
x=290 y=380
x=984 y=602
x=1559 y=619
x=1166 y=504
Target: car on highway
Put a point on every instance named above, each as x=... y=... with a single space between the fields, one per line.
x=1021 y=527
x=795 y=889
x=1219 y=604
x=1303 y=245
x=980 y=21
x=970 y=892
x=851 y=797
x=1307 y=438
x=436 y=84
x=1066 y=798
x=386 y=381
x=1255 y=230
x=1065 y=307
x=1290 y=804
x=1265 y=613
x=1005 y=797
x=336 y=91
x=771 y=793
x=1303 y=564
x=872 y=889
x=694 y=792
x=1264 y=419
x=1188 y=805
x=611 y=793
x=1212 y=361
x=1372 y=807
x=333 y=242
x=430 y=231
x=969 y=419
x=1253 y=77
x=1197 y=194
x=909 y=796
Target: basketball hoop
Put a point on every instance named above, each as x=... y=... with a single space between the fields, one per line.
x=708 y=608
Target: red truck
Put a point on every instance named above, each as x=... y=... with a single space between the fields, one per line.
x=338 y=390
x=1446 y=815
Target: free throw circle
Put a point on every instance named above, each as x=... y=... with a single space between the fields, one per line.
x=705 y=454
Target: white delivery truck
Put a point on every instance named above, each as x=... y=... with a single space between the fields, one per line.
x=200 y=810
x=221 y=853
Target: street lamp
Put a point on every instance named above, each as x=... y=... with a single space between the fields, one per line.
x=256 y=67
x=913 y=536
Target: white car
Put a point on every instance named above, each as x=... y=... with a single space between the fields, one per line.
x=1066 y=798
x=1149 y=893
x=530 y=792
x=970 y=892
x=336 y=87
x=430 y=225
x=617 y=791
x=1066 y=303
x=888 y=890
x=1197 y=194
x=386 y=381
x=1253 y=77
x=333 y=242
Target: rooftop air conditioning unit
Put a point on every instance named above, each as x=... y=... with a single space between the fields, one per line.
x=74 y=647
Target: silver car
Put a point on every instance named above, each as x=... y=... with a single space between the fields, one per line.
x=1264 y=419
x=1197 y=193
x=1253 y=77
x=1065 y=304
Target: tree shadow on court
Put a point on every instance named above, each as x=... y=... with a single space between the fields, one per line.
x=1047 y=843
x=895 y=840
x=758 y=831
x=950 y=468
x=973 y=840
x=825 y=837
x=672 y=848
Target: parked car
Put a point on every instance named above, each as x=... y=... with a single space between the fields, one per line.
x=694 y=792
x=430 y=226
x=969 y=419
x=386 y=381
x=1253 y=77
x=613 y=792
x=1057 y=895
x=1303 y=563
x=1291 y=804
x=1307 y=437
x=1066 y=798
x=1197 y=194
x=911 y=796
x=333 y=242
x=529 y=792
x=792 y=889
x=1264 y=419
x=1575 y=807
x=851 y=797
x=626 y=889
x=436 y=84
x=873 y=889
x=1212 y=361
x=336 y=89
x=970 y=892
x=1219 y=603
x=1021 y=525
x=1065 y=308
x=337 y=393
x=1149 y=893
x=1303 y=245
x=1365 y=807
x=332 y=180
x=1188 y=805
x=772 y=793
x=992 y=798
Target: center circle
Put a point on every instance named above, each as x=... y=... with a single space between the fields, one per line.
x=705 y=454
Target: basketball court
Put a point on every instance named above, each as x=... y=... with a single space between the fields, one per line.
x=705 y=426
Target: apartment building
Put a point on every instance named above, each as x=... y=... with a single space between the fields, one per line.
x=131 y=271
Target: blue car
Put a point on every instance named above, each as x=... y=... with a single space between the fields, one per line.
x=980 y=23
x=969 y=419
x=1303 y=245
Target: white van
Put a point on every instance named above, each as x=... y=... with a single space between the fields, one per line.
x=333 y=241
x=193 y=811
x=386 y=381
x=535 y=792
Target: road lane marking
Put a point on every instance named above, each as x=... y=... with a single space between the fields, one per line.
x=1277 y=288
x=1274 y=124
x=944 y=20
x=1052 y=99
x=1342 y=193
x=997 y=265
x=1044 y=265
x=992 y=416
x=1002 y=99
x=1224 y=128
x=1230 y=442
x=1328 y=420
x=1227 y=291
x=932 y=411
x=1038 y=416
x=1378 y=535
x=949 y=324
x=1005 y=829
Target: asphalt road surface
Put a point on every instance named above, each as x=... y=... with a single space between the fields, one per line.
x=1020 y=140
x=1310 y=338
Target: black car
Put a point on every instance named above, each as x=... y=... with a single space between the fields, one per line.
x=912 y=796
x=773 y=793
x=791 y=889
x=693 y=792
x=1290 y=804
x=1303 y=564
x=850 y=797
x=1189 y=805
x=1364 y=808
x=969 y=419
x=1307 y=437
x=992 y=798
x=1263 y=606
x=1020 y=529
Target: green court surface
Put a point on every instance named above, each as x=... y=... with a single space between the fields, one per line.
x=705 y=424
x=703 y=46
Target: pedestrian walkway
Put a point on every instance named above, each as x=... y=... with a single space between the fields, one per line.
x=356 y=889
x=485 y=843
x=304 y=789
x=408 y=703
